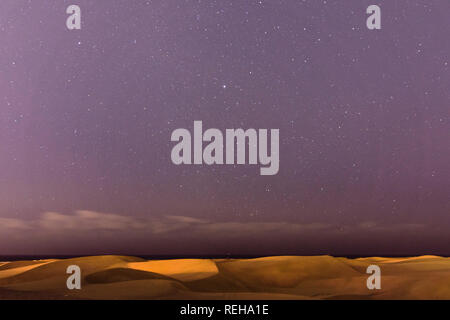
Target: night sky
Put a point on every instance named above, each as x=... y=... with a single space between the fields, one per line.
x=86 y=118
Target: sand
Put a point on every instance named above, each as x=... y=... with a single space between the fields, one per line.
x=10 y=271
x=281 y=277
x=182 y=269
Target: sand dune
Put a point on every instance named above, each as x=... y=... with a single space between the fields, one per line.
x=281 y=277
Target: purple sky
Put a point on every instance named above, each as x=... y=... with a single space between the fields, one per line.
x=86 y=118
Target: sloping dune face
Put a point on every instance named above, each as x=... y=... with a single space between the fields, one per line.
x=8 y=270
x=283 y=277
x=287 y=272
x=181 y=269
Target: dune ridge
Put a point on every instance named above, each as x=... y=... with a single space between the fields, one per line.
x=277 y=277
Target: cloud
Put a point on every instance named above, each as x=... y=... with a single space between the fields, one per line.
x=12 y=224
x=255 y=228
x=373 y=226
x=85 y=221
x=91 y=231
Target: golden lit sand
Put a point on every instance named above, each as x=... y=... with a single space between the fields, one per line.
x=283 y=277
x=13 y=271
x=181 y=269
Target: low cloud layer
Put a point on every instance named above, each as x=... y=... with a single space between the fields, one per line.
x=84 y=230
x=88 y=221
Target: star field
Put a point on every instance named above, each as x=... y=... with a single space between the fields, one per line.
x=86 y=115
